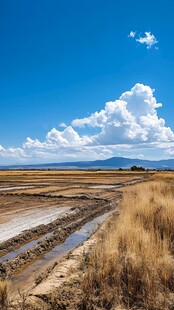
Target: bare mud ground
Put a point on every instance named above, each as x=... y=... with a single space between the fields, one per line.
x=40 y=210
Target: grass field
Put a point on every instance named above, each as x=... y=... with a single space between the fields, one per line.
x=132 y=265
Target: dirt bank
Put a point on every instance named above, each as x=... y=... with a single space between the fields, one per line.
x=75 y=219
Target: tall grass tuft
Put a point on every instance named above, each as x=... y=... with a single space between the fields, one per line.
x=132 y=264
x=4 y=294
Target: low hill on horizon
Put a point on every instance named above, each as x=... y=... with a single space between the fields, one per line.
x=110 y=163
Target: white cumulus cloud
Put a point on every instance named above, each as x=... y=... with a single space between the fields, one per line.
x=170 y=150
x=148 y=39
x=129 y=125
x=130 y=119
x=132 y=34
x=63 y=125
x=12 y=152
x=1 y=148
x=56 y=139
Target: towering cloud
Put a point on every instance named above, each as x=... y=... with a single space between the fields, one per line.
x=131 y=119
x=128 y=123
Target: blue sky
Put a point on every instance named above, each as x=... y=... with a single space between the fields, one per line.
x=61 y=61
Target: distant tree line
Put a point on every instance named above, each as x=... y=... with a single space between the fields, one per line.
x=136 y=168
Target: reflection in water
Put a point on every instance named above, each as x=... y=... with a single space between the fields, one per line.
x=61 y=250
x=11 y=255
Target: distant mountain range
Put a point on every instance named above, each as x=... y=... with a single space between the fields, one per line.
x=111 y=163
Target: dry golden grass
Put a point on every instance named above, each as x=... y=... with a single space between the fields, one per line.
x=167 y=176
x=132 y=264
x=64 y=172
x=35 y=176
x=37 y=190
x=4 y=294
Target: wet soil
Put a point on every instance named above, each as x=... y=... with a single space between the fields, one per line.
x=76 y=219
x=84 y=196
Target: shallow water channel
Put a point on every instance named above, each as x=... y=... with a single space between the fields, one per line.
x=60 y=251
x=11 y=255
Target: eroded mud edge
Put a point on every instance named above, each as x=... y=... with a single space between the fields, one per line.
x=61 y=232
x=29 y=234
x=65 y=274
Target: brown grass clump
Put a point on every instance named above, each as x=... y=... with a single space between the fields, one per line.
x=4 y=294
x=132 y=265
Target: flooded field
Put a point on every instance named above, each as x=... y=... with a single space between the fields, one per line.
x=46 y=214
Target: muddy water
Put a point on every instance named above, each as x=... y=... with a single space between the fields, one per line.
x=11 y=255
x=60 y=251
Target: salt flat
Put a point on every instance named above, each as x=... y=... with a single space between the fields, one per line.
x=29 y=219
x=2 y=188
